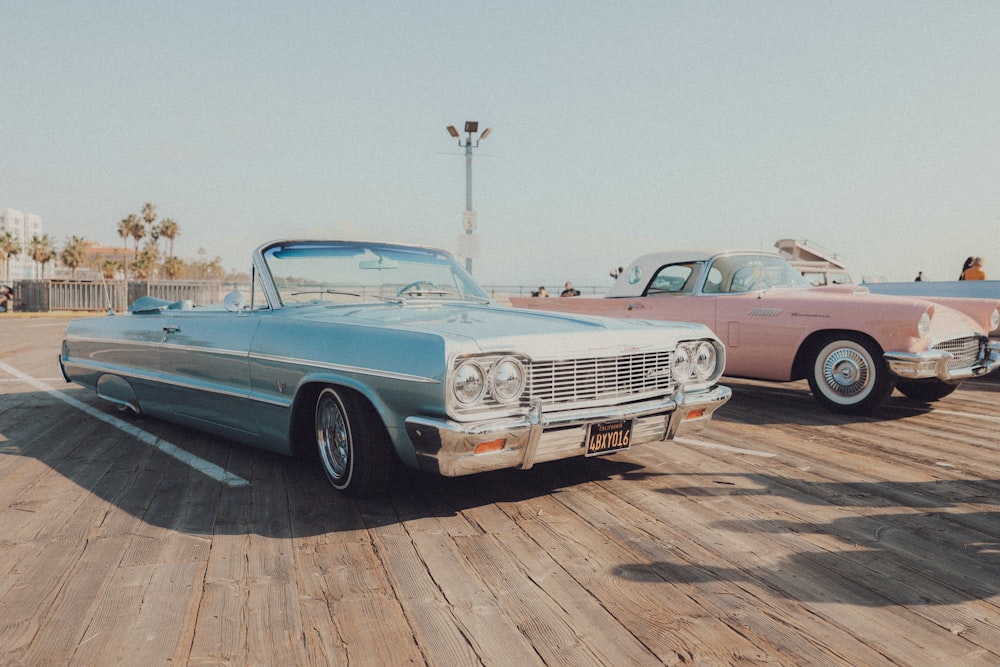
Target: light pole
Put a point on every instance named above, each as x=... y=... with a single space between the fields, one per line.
x=466 y=242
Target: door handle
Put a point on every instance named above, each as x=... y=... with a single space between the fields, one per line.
x=171 y=329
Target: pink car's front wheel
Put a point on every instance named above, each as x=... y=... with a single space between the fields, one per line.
x=849 y=375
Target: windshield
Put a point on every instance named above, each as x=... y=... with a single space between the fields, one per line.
x=749 y=273
x=346 y=272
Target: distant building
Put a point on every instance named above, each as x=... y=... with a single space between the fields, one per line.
x=97 y=254
x=23 y=227
x=819 y=265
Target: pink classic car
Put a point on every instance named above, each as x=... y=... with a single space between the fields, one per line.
x=854 y=347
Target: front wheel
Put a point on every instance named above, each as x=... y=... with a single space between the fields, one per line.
x=926 y=391
x=850 y=376
x=353 y=446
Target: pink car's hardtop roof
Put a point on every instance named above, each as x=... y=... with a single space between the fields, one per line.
x=651 y=262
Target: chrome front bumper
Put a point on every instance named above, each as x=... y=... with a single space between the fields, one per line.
x=934 y=364
x=448 y=448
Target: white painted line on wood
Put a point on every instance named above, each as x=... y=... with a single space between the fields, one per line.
x=967 y=415
x=207 y=468
x=727 y=448
x=13 y=380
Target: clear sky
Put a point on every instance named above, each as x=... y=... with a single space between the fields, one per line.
x=871 y=128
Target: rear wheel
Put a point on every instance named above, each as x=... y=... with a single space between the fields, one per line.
x=353 y=446
x=849 y=375
x=928 y=391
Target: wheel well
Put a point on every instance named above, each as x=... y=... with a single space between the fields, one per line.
x=815 y=340
x=301 y=436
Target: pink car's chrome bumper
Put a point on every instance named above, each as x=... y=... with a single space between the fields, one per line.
x=935 y=363
x=449 y=448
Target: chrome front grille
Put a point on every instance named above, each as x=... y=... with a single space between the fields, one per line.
x=966 y=351
x=600 y=379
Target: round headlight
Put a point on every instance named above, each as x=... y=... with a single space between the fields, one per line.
x=683 y=363
x=470 y=383
x=995 y=320
x=508 y=380
x=704 y=360
x=924 y=325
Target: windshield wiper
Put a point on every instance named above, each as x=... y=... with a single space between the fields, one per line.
x=429 y=292
x=417 y=293
x=325 y=291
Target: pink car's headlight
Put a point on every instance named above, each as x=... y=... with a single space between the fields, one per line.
x=924 y=325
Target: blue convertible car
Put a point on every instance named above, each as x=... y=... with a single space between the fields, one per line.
x=368 y=354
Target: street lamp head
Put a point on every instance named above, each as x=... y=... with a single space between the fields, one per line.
x=485 y=133
x=471 y=126
x=452 y=131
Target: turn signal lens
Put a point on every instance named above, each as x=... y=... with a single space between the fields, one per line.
x=491 y=446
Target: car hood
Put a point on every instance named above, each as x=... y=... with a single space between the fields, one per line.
x=544 y=333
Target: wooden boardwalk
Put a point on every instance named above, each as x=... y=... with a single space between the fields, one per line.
x=781 y=534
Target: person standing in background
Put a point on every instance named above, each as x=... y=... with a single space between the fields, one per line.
x=965 y=267
x=975 y=272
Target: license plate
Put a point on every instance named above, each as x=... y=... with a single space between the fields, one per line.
x=609 y=437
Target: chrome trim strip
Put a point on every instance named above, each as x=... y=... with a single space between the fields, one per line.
x=118 y=342
x=203 y=350
x=160 y=345
x=159 y=379
x=344 y=368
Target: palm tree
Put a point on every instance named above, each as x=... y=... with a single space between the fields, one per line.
x=169 y=230
x=74 y=254
x=173 y=267
x=41 y=250
x=125 y=228
x=151 y=256
x=148 y=215
x=138 y=231
x=109 y=268
x=9 y=247
x=145 y=263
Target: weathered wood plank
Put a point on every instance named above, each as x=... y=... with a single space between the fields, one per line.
x=433 y=528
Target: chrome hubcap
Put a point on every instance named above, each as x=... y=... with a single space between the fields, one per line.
x=846 y=372
x=331 y=435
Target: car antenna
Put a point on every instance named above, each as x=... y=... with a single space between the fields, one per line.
x=107 y=295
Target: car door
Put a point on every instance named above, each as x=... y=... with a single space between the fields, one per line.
x=754 y=336
x=672 y=294
x=204 y=359
x=720 y=300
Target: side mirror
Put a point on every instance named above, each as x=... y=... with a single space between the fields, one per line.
x=235 y=301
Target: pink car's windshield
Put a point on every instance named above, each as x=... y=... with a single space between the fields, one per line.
x=751 y=273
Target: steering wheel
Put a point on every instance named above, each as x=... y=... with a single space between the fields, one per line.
x=415 y=286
